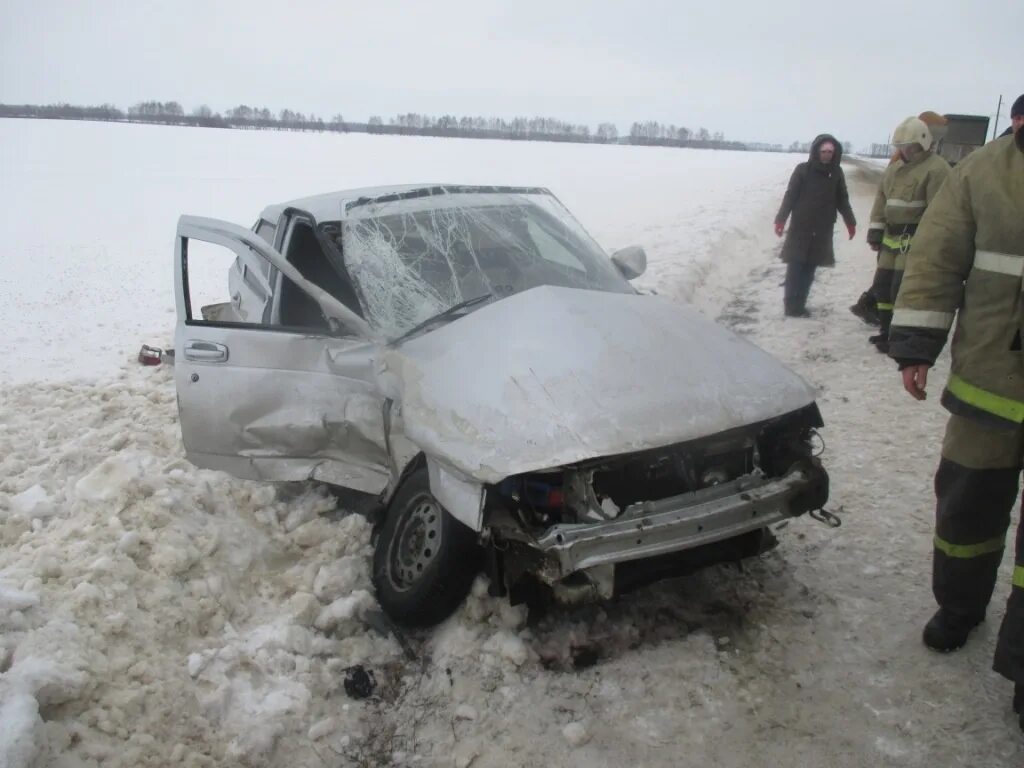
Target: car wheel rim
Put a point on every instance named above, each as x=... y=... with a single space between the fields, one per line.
x=415 y=543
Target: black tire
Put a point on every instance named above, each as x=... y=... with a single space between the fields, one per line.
x=425 y=560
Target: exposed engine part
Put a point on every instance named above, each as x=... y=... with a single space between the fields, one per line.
x=714 y=476
x=581 y=498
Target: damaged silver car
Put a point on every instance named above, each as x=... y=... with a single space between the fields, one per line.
x=475 y=361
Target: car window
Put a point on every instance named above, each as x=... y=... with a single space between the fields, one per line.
x=225 y=287
x=268 y=232
x=305 y=251
x=552 y=248
x=412 y=259
x=222 y=287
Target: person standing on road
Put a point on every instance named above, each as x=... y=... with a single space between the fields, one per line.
x=816 y=192
x=907 y=188
x=967 y=265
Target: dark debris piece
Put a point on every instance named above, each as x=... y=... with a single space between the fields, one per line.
x=583 y=656
x=360 y=682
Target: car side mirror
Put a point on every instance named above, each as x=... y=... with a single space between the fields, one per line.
x=630 y=261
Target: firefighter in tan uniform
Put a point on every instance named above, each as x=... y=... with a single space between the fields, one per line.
x=866 y=307
x=967 y=267
x=908 y=187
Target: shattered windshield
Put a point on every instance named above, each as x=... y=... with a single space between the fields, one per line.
x=412 y=259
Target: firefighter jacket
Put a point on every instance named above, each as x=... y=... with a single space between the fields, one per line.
x=906 y=191
x=968 y=265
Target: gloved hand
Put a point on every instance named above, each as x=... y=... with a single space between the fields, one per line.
x=779 y=225
x=852 y=229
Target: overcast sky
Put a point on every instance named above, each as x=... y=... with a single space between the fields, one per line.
x=757 y=70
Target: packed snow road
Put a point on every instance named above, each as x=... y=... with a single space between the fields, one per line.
x=154 y=614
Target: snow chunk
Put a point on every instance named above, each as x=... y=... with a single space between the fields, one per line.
x=464 y=754
x=323 y=728
x=129 y=543
x=12 y=599
x=341 y=578
x=20 y=729
x=343 y=614
x=110 y=479
x=576 y=734
x=306 y=508
x=302 y=609
x=33 y=503
x=508 y=646
x=50 y=680
x=196 y=663
x=280 y=637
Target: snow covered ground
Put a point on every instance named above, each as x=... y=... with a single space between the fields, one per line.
x=154 y=614
x=89 y=213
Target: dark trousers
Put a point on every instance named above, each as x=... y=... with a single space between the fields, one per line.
x=799 y=277
x=976 y=497
x=885 y=296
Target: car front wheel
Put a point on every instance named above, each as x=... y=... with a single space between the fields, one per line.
x=425 y=560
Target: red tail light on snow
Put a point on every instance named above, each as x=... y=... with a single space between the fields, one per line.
x=149 y=355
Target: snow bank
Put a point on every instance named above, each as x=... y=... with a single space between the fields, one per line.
x=147 y=608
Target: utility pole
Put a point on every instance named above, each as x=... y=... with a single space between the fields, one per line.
x=995 y=123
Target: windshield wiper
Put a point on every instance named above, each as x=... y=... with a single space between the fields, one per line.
x=448 y=313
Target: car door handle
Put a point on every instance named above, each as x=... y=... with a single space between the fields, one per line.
x=206 y=352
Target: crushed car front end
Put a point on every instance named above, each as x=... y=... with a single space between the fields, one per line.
x=569 y=528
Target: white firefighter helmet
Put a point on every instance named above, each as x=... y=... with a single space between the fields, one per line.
x=913 y=130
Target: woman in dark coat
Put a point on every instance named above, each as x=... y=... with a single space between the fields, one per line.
x=816 y=193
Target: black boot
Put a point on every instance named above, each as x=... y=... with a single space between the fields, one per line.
x=1018 y=697
x=881 y=342
x=866 y=309
x=947 y=632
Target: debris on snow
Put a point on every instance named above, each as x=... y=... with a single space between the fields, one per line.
x=360 y=683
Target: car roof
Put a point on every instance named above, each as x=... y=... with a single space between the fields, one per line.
x=332 y=206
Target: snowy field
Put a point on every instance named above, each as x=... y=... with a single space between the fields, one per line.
x=153 y=614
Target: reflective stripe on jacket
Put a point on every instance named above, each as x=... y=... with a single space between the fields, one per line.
x=906 y=191
x=967 y=266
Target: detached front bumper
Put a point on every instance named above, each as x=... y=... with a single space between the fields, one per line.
x=682 y=522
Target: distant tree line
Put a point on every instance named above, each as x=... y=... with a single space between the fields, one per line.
x=804 y=147
x=409 y=124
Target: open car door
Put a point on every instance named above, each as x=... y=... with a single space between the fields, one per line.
x=267 y=401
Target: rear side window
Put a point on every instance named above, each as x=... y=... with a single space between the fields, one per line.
x=221 y=287
x=266 y=230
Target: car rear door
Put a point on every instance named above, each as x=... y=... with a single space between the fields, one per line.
x=261 y=400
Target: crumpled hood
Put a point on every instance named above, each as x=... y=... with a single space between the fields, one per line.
x=554 y=375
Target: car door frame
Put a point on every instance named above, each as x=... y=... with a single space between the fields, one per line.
x=275 y=403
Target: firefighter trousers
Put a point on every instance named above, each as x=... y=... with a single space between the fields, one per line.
x=976 y=490
x=885 y=287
